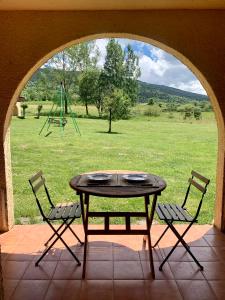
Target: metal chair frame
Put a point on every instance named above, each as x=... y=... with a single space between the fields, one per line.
x=65 y=213
x=172 y=213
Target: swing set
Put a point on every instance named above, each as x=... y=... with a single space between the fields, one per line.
x=57 y=115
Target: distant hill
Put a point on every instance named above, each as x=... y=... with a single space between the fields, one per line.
x=165 y=93
x=146 y=90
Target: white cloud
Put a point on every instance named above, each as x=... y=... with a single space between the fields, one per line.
x=157 y=66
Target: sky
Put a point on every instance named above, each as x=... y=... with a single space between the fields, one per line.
x=157 y=66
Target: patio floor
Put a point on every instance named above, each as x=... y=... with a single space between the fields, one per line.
x=117 y=266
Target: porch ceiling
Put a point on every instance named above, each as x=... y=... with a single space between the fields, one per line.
x=109 y=5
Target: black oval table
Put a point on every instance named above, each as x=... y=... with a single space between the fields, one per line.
x=118 y=187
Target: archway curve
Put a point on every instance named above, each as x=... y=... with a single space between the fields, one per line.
x=182 y=58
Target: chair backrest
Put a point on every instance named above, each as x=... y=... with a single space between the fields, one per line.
x=37 y=182
x=200 y=183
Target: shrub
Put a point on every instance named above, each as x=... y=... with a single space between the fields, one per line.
x=197 y=113
x=24 y=107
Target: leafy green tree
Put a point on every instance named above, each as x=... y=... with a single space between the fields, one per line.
x=131 y=74
x=116 y=105
x=89 y=89
x=71 y=62
x=113 y=71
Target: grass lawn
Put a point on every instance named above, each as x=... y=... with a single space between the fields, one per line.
x=170 y=148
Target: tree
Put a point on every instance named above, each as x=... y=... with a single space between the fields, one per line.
x=89 y=88
x=113 y=71
x=70 y=63
x=131 y=74
x=116 y=105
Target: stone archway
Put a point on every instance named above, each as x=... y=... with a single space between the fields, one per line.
x=163 y=37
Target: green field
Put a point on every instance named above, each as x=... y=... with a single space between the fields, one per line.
x=170 y=148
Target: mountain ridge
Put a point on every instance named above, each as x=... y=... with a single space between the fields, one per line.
x=146 y=90
x=166 y=93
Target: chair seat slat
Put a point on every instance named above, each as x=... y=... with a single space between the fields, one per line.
x=172 y=212
x=165 y=212
x=159 y=213
x=180 y=216
x=73 y=211
x=52 y=213
x=78 y=211
x=60 y=212
x=187 y=217
x=66 y=212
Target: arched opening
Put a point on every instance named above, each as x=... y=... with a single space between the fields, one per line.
x=166 y=48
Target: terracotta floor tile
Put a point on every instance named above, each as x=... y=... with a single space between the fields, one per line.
x=43 y=271
x=100 y=243
x=10 y=238
x=162 y=290
x=9 y=287
x=128 y=270
x=218 y=288
x=7 y=249
x=14 y=269
x=165 y=274
x=199 y=242
x=185 y=270
x=129 y=290
x=212 y=230
x=215 y=240
x=179 y=254
x=64 y=289
x=195 y=290
x=23 y=253
x=130 y=267
x=30 y=290
x=123 y=253
x=99 y=253
x=214 y=270
x=97 y=270
x=67 y=270
x=66 y=255
x=97 y=289
x=157 y=254
x=53 y=254
x=220 y=251
x=205 y=254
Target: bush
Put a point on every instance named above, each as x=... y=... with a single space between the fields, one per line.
x=197 y=113
x=153 y=111
x=150 y=101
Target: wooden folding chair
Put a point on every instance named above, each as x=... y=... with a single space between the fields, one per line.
x=64 y=213
x=170 y=213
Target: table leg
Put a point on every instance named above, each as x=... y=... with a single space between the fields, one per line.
x=86 y=235
x=148 y=224
x=82 y=210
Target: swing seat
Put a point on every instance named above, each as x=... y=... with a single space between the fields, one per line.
x=57 y=121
